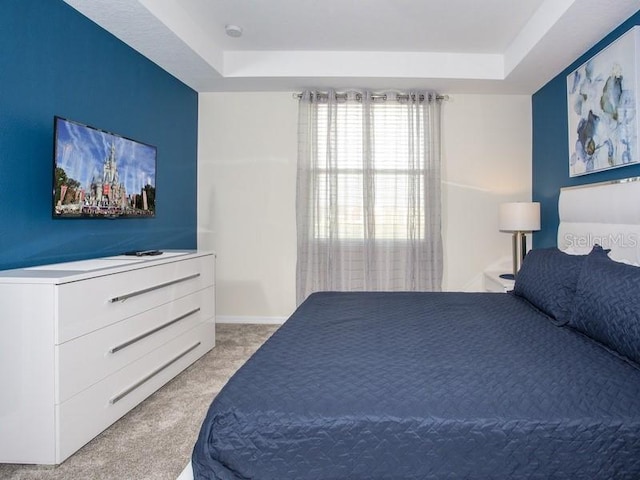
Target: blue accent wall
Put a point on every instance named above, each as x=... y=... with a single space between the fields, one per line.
x=551 y=144
x=54 y=61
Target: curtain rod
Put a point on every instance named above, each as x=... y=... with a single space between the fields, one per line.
x=383 y=96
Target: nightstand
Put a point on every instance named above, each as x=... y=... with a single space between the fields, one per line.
x=493 y=282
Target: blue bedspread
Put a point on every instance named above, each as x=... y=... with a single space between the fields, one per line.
x=424 y=386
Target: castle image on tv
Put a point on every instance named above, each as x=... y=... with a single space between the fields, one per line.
x=98 y=174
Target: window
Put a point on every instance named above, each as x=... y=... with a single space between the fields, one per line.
x=368 y=193
x=393 y=174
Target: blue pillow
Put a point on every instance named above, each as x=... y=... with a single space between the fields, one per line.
x=607 y=306
x=548 y=280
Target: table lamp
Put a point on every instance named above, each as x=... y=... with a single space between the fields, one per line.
x=518 y=218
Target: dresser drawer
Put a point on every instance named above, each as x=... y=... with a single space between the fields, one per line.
x=88 y=413
x=88 y=305
x=112 y=348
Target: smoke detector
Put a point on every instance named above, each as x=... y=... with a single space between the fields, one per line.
x=233 y=30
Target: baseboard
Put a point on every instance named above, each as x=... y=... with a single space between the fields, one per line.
x=250 y=319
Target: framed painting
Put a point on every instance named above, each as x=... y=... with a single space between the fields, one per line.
x=602 y=99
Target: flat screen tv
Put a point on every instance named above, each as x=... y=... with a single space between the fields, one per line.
x=98 y=174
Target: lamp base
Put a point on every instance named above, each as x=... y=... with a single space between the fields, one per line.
x=508 y=276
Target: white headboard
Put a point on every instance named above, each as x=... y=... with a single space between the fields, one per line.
x=605 y=213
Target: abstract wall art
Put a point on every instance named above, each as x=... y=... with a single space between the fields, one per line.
x=602 y=97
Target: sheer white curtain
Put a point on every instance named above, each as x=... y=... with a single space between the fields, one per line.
x=368 y=192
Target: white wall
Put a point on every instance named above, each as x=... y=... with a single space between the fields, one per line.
x=247 y=147
x=486 y=161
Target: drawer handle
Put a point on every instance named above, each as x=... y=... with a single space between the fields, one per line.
x=152 y=331
x=126 y=392
x=122 y=298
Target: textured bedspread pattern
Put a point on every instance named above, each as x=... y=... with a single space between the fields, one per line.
x=424 y=386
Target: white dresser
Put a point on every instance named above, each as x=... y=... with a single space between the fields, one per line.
x=84 y=342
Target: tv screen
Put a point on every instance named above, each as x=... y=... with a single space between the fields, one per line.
x=98 y=174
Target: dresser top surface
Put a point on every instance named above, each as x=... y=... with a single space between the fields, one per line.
x=57 y=273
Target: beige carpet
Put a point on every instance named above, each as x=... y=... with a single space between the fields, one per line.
x=154 y=440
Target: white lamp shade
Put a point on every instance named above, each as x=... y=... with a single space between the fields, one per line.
x=519 y=217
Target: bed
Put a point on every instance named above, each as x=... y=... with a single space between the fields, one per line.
x=541 y=383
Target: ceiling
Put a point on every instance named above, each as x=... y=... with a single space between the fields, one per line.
x=452 y=46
